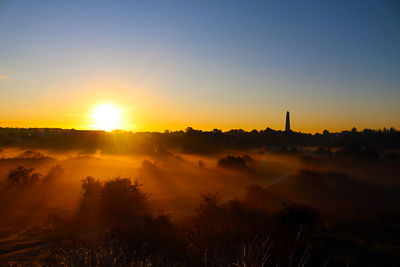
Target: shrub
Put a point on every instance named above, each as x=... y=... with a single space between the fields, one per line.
x=232 y=162
x=121 y=200
x=22 y=176
x=89 y=206
x=91 y=187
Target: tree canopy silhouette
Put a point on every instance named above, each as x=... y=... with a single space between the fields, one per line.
x=22 y=176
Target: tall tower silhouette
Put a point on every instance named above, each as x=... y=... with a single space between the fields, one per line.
x=287 y=126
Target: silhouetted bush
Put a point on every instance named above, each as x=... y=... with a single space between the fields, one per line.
x=117 y=201
x=91 y=187
x=232 y=162
x=22 y=176
x=89 y=208
x=121 y=200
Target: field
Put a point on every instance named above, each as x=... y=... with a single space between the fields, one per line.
x=253 y=206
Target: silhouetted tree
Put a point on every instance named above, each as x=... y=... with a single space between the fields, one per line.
x=89 y=208
x=121 y=200
x=22 y=176
x=234 y=162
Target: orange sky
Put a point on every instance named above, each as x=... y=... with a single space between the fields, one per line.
x=198 y=65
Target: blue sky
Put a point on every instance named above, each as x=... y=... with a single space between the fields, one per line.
x=205 y=64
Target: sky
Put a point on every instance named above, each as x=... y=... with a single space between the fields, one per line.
x=205 y=64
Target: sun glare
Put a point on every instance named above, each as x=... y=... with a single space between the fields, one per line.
x=107 y=117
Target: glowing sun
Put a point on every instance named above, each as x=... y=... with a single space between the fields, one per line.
x=107 y=117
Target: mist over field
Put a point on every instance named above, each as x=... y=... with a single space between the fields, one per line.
x=175 y=180
x=341 y=193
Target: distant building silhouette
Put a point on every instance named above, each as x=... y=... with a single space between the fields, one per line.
x=287 y=126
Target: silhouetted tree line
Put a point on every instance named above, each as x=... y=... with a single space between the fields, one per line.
x=193 y=141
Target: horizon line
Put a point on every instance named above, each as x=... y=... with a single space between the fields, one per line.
x=202 y=130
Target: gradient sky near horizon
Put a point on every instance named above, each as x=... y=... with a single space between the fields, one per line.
x=205 y=64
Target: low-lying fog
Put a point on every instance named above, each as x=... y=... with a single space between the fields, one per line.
x=175 y=180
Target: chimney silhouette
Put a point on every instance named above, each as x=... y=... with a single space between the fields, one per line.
x=287 y=126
